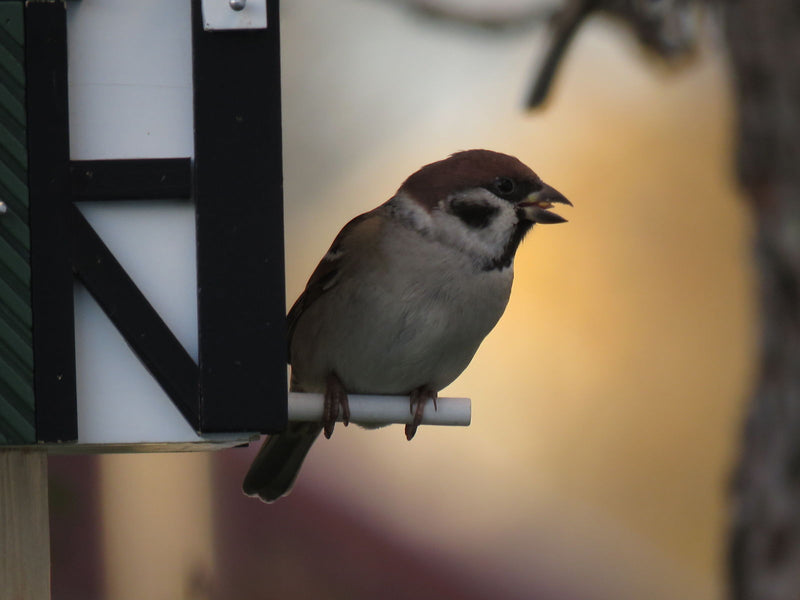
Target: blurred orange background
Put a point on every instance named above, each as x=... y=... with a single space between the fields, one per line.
x=606 y=404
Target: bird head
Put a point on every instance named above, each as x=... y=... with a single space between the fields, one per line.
x=480 y=202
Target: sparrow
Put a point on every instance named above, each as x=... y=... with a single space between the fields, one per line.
x=405 y=295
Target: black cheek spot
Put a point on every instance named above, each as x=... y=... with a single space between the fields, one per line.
x=476 y=216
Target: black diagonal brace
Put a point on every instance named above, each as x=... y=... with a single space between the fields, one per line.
x=138 y=322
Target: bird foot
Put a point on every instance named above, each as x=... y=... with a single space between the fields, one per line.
x=419 y=397
x=335 y=398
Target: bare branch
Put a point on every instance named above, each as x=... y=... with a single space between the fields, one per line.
x=490 y=17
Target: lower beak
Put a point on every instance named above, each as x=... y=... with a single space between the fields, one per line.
x=535 y=206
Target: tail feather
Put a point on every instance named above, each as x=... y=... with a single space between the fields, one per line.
x=277 y=463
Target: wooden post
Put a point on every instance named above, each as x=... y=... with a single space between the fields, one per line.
x=24 y=525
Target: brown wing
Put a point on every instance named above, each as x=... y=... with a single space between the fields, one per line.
x=326 y=275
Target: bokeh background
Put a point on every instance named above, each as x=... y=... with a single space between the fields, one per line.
x=606 y=404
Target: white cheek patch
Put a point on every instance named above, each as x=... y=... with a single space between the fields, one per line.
x=488 y=241
x=482 y=243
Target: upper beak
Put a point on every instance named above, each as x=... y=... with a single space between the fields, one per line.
x=536 y=204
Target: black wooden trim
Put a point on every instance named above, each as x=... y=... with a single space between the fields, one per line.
x=238 y=195
x=134 y=317
x=49 y=186
x=131 y=179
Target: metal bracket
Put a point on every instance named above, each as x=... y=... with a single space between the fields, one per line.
x=234 y=14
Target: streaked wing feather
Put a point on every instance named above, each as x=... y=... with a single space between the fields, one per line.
x=326 y=275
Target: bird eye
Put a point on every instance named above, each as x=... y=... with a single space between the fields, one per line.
x=504 y=185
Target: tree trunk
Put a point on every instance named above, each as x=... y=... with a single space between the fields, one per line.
x=764 y=41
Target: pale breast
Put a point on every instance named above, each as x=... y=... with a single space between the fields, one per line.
x=407 y=315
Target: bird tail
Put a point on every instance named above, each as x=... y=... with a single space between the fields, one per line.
x=277 y=463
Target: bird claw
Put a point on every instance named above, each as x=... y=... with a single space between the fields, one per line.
x=334 y=399
x=419 y=398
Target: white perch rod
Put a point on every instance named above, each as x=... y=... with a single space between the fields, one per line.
x=372 y=410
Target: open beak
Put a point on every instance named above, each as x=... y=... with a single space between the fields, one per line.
x=535 y=206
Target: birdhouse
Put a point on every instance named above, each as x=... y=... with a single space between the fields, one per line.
x=141 y=238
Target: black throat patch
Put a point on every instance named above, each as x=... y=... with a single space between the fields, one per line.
x=507 y=257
